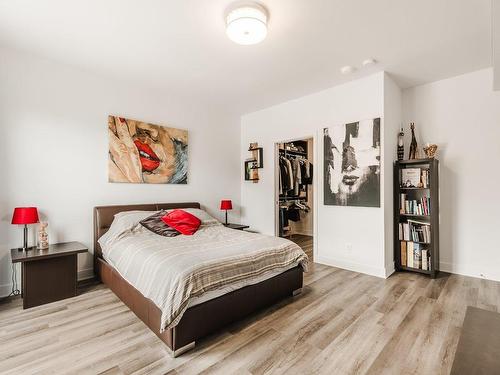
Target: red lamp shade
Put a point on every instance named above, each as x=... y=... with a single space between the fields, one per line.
x=25 y=215
x=226 y=204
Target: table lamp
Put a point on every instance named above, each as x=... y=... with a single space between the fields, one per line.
x=226 y=204
x=25 y=216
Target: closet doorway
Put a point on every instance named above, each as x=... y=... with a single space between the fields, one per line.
x=294 y=192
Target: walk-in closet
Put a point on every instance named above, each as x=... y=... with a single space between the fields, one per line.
x=294 y=190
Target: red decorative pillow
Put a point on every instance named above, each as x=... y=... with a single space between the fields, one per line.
x=182 y=221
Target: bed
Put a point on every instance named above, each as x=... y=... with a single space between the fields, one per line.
x=208 y=315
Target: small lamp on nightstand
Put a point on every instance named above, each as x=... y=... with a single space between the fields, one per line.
x=25 y=216
x=226 y=204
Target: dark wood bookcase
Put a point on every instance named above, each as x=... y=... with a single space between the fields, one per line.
x=432 y=219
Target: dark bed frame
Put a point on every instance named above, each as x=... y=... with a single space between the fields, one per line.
x=200 y=320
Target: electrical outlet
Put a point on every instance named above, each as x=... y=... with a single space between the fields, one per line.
x=348 y=246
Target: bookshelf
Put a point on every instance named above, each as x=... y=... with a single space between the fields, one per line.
x=416 y=216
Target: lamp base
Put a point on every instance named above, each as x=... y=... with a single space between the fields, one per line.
x=26 y=248
x=25 y=240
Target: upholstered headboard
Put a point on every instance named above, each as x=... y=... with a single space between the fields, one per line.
x=103 y=217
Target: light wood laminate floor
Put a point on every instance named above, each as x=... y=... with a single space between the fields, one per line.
x=343 y=323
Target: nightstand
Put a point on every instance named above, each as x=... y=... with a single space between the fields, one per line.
x=48 y=275
x=236 y=226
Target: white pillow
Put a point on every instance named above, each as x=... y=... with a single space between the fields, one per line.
x=122 y=222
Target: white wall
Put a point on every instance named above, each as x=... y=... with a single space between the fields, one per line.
x=392 y=124
x=495 y=38
x=53 y=150
x=462 y=116
x=348 y=237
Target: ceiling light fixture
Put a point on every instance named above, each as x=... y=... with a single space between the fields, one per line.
x=348 y=69
x=247 y=24
x=369 y=62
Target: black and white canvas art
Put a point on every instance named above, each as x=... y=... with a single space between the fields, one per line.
x=352 y=164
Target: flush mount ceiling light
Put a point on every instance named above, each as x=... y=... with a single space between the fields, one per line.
x=247 y=24
x=348 y=69
x=369 y=62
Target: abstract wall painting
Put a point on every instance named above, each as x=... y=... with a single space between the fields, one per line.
x=352 y=164
x=140 y=152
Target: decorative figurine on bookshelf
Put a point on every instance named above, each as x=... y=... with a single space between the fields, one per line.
x=430 y=150
x=401 y=145
x=413 y=154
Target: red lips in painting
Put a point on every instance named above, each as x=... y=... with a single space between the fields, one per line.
x=149 y=160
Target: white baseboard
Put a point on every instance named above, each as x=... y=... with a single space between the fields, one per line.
x=353 y=266
x=389 y=270
x=465 y=270
x=5 y=289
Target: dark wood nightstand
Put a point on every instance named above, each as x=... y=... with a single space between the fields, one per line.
x=236 y=226
x=48 y=275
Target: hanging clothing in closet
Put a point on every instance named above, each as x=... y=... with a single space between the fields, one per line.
x=294 y=173
x=285 y=176
x=307 y=172
x=296 y=176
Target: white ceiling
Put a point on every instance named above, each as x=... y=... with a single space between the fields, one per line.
x=180 y=45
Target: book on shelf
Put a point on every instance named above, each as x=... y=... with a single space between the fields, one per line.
x=414 y=255
x=424 y=178
x=403 y=253
x=425 y=263
x=410 y=177
x=415 y=231
x=417 y=256
x=421 y=206
x=409 y=254
x=415 y=177
x=424 y=255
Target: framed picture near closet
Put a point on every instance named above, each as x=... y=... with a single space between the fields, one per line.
x=352 y=164
x=251 y=170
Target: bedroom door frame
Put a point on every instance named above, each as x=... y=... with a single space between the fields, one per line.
x=314 y=187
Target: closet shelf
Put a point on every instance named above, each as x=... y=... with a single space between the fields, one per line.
x=293 y=198
x=414 y=188
x=293 y=152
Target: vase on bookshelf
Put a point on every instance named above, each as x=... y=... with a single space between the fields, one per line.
x=430 y=150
